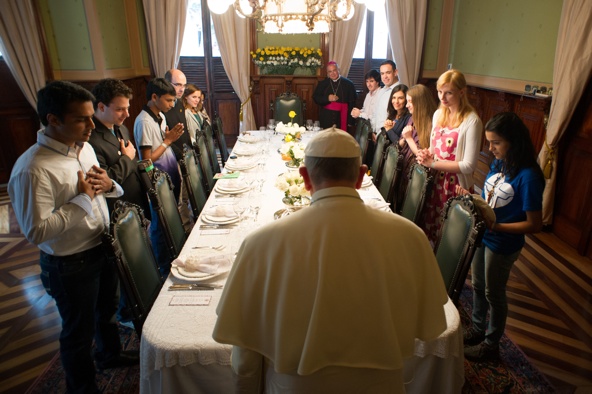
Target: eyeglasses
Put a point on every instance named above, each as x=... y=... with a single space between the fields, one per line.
x=180 y=85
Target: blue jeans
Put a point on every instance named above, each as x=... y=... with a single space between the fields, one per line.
x=490 y=272
x=85 y=288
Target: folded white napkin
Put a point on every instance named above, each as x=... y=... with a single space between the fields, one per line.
x=203 y=267
x=232 y=184
x=376 y=204
x=222 y=211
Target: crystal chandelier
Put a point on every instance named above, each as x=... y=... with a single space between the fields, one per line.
x=289 y=16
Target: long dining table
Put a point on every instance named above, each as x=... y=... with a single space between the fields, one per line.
x=177 y=352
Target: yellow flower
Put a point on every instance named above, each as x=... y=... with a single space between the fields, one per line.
x=261 y=58
x=291 y=114
x=288 y=138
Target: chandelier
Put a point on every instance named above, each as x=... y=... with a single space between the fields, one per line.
x=290 y=16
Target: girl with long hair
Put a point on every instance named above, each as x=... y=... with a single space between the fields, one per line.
x=191 y=101
x=455 y=142
x=397 y=113
x=514 y=189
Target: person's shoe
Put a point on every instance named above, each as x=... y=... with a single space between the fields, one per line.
x=482 y=352
x=125 y=358
x=472 y=336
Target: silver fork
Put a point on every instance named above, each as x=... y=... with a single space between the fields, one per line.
x=217 y=247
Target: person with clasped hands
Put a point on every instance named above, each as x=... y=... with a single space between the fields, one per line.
x=334 y=311
x=58 y=193
x=372 y=79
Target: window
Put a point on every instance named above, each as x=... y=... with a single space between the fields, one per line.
x=377 y=24
x=193 y=37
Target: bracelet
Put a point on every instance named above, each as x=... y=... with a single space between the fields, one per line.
x=433 y=164
x=112 y=186
x=165 y=145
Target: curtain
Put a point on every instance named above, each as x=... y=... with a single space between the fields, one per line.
x=20 y=46
x=572 y=71
x=406 y=23
x=232 y=33
x=343 y=38
x=165 y=25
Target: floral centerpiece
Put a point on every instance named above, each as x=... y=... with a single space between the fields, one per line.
x=293 y=153
x=292 y=130
x=287 y=60
x=292 y=184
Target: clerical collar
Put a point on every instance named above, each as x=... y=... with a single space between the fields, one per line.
x=335 y=80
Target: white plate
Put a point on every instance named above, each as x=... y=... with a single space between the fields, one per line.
x=245 y=151
x=249 y=139
x=219 y=219
x=367 y=183
x=231 y=192
x=231 y=167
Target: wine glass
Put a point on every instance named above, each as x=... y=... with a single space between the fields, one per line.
x=316 y=126
x=309 y=124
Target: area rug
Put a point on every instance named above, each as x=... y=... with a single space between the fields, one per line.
x=512 y=373
x=118 y=380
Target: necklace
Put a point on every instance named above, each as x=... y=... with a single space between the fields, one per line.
x=335 y=90
x=491 y=191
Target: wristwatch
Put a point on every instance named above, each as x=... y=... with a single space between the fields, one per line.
x=112 y=186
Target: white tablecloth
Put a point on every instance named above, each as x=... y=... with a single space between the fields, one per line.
x=178 y=354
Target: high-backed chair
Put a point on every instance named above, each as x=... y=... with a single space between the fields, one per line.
x=360 y=124
x=390 y=174
x=164 y=205
x=286 y=102
x=462 y=232
x=201 y=149
x=130 y=249
x=219 y=134
x=208 y=134
x=193 y=181
x=418 y=188
x=382 y=142
x=364 y=139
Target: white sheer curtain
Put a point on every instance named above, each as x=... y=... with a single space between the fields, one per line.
x=232 y=33
x=406 y=21
x=572 y=71
x=165 y=25
x=343 y=38
x=20 y=47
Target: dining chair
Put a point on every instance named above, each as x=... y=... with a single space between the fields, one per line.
x=219 y=134
x=382 y=143
x=286 y=102
x=164 y=204
x=364 y=140
x=201 y=150
x=462 y=232
x=193 y=181
x=359 y=126
x=418 y=188
x=209 y=138
x=390 y=174
x=129 y=248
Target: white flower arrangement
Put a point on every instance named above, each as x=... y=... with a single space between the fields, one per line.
x=294 y=130
x=292 y=184
x=293 y=152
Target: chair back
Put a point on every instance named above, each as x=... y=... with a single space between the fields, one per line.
x=382 y=142
x=201 y=149
x=359 y=126
x=193 y=181
x=390 y=173
x=128 y=246
x=286 y=102
x=418 y=188
x=209 y=138
x=462 y=232
x=219 y=134
x=164 y=204
x=364 y=140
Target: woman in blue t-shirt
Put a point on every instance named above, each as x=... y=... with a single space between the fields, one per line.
x=514 y=189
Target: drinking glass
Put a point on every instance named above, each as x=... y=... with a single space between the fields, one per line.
x=316 y=126
x=309 y=124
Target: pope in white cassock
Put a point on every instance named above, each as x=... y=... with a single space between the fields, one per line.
x=331 y=298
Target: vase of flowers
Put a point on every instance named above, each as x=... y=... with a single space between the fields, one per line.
x=293 y=153
x=295 y=194
x=293 y=131
x=287 y=60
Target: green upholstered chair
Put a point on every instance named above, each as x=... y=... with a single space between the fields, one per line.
x=390 y=174
x=418 y=188
x=382 y=142
x=462 y=232
x=128 y=246
x=201 y=149
x=208 y=134
x=219 y=134
x=193 y=181
x=286 y=102
x=164 y=204
x=360 y=124
x=364 y=139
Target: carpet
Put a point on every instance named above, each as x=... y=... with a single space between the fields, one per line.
x=512 y=373
x=118 y=380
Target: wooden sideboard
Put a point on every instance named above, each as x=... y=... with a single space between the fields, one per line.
x=267 y=87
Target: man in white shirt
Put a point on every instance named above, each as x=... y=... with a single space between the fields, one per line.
x=390 y=79
x=372 y=78
x=333 y=311
x=58 y=193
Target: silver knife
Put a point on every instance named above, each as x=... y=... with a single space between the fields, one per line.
x=191 y=287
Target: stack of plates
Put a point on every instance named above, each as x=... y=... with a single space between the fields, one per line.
x=246 y=150
x=367 y=181
x=240 y=164
x=196 y=276
x=249 y=139
x=231 y=186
